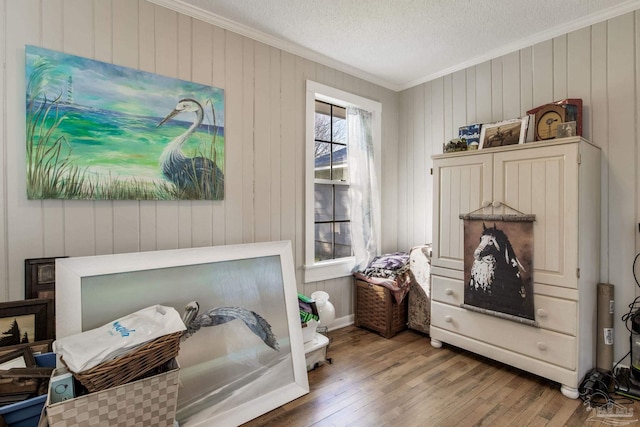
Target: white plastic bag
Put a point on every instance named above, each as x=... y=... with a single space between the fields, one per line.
x=90 y=348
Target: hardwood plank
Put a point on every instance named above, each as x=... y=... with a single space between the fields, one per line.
x=403 y=381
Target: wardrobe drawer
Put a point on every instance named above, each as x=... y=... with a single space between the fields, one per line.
x=559 y=315
x=556 y=314
x=444 y=289
x=539 y=343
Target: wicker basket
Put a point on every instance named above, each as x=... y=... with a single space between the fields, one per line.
x=376 y=309
x=147 y=402
x=130 y=366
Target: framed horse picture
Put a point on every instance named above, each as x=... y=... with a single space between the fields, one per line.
x=498 y=265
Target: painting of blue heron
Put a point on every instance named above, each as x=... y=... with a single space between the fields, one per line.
x=100 y=131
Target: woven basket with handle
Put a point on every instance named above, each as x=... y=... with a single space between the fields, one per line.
x=130 y=366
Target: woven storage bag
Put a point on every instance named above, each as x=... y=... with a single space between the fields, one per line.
x=130 y=366
x=376 y=309
x=144 y=403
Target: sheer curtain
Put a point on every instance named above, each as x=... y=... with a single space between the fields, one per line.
x=363 y=187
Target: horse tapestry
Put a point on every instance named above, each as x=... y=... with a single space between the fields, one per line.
x=100 y=131
x=498 y=266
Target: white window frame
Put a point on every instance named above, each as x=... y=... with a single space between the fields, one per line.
x=331 y=269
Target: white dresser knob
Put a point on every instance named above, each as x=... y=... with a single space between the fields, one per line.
x=448 y=291
x=486 y=203
x=541 y=312
x=542 y=346
x=448 y=319
x=496 y=204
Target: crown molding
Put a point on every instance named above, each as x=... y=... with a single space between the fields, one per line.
x=586 y=21
x=293 y=48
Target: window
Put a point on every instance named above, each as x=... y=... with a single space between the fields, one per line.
x=331 y=183
x=328 y=252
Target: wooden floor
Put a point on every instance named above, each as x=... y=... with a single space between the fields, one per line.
x=403 y=381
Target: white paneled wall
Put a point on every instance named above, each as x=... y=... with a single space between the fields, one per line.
x=264 y=129
x=264 y=88
x=599 y=64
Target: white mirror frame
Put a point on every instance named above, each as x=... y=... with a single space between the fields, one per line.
x=81 y=279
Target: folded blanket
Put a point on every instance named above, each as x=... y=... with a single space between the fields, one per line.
x=388 y=265
x=390 y=271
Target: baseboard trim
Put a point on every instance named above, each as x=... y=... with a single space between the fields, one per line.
x=341 y=322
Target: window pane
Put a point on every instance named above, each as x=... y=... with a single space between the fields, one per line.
x=331 y=202
x=323 y=202
x=343 y=239
x=339 y=171
x=323 y=121
x=339 y=124
x=323 y=160
x=342 y=203
x=323 y=242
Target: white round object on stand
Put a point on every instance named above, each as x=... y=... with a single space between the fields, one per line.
x=326 y=310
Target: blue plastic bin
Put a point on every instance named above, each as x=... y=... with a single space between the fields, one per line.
x=27 y=412
x=46 y=360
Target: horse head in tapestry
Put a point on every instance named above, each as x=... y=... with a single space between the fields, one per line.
x=496 y=270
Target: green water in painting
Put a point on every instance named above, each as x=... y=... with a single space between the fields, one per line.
x=123 y=146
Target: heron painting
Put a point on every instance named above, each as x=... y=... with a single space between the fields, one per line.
x=199 y=174
x=257 y=324
x=101 y=131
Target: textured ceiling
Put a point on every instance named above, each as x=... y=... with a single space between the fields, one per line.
x=401 y=43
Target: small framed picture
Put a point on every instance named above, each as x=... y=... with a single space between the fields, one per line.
x=471 y=133
x=37 y=347
x=507 y=132
x=17 y=384
x=26 y=321
x=22 y=358
x=40 y=278
x=566 y=129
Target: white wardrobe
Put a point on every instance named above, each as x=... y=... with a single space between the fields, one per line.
x=559 y=182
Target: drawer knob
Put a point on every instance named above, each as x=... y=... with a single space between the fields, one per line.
x=448 y=291
x=448 y=318
x=542 y=346
x=486 y=203
x=541 y=312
